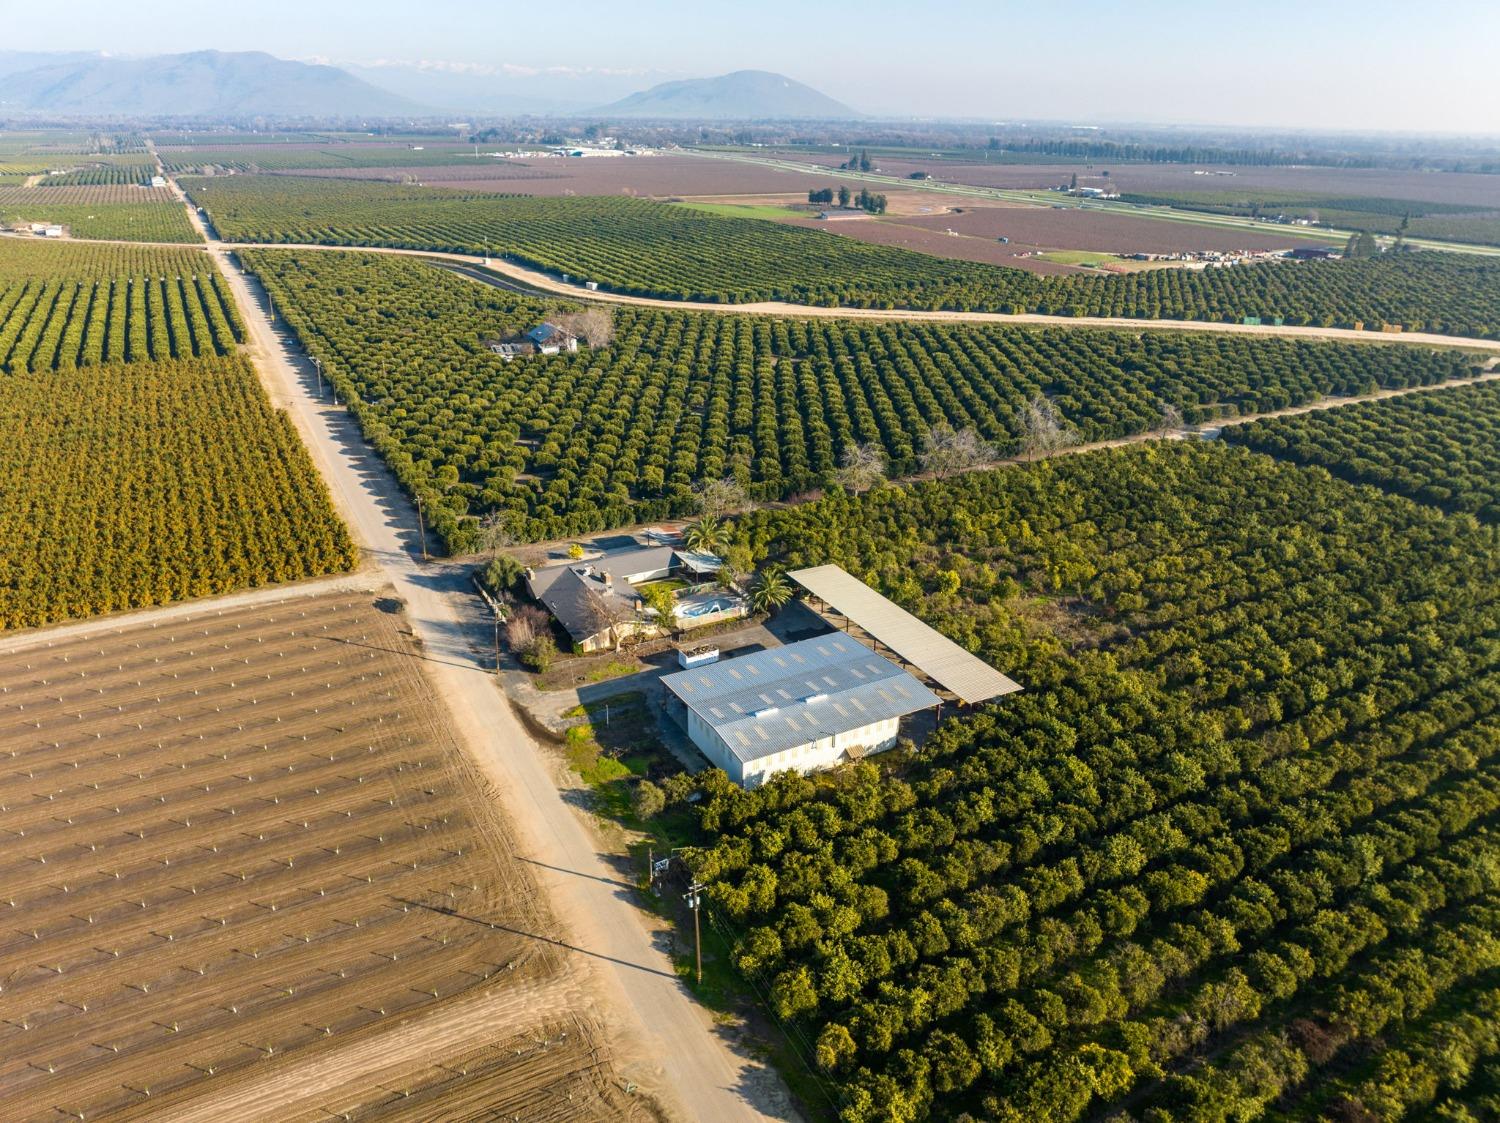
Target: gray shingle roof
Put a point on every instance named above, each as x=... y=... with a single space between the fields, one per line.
x=776 y=699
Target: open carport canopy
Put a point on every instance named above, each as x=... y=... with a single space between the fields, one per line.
x=966 y=676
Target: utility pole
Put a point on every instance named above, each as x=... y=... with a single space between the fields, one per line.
x=422 y=527
x=497 y=641
x=318 y=364
x=694 y=899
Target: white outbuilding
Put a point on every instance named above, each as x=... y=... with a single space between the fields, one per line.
x=806 y=706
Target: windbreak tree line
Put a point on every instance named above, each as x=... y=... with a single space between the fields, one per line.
x=655 y=249
x=1442 y=449
x=1234 y=854
x=136 y=484
x=569 y=444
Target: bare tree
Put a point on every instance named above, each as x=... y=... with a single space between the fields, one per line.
x=861 y=467
x=609 y=614
x=594 y=324
x=1043 y=431
x=1170 y=419
x=524 y=625
x=498 y=531
x=946 y=451
x=717 y=498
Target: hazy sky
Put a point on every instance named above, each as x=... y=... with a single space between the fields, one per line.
x=1360 y=64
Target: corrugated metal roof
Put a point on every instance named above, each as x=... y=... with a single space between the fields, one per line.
x=773 y=700
x=937 y=656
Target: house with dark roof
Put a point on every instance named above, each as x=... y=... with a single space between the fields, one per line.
x=552 y=339
x=805 y=706
x=597 y=600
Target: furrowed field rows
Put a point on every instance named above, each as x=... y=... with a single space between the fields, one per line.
x=1249 y=801
x=241 y=848
x=620 y=433
x=141 y=483
x=655 y=249
x=110 y=213
x=1442 y=449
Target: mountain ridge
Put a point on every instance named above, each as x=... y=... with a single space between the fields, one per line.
x=192 y=84
x=740 y=95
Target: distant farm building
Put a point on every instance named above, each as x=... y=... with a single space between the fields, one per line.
x=550 y=339
x=1310 y=253
x=805 y=706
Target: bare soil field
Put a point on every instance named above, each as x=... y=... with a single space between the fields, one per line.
x=1098 y=231
x=249 y=874
x=649 y=176
x=1435 y=187
x=907 y=234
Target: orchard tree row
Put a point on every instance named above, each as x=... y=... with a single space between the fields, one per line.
x=141 y=483
x=1441 y=448
x=655 y=249
x=1241 y=828
x=622 y=432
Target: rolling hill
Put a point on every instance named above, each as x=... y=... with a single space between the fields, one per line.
x=198 y=84
x=743 y=95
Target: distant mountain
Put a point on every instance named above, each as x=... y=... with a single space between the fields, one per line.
x=743 y=95
x=199 y=84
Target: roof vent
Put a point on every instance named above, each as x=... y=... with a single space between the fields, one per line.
x=767 y=711
x=812 y=699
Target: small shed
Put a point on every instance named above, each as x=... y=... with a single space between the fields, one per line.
x=510 y=349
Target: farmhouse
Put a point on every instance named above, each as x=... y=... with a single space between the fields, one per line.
x=805 y=706
x=598 y=603
x=550 y=339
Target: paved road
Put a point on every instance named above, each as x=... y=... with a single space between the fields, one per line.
x=685 y=1059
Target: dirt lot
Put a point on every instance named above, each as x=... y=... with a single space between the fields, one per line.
x=923 y=239
x=248 y=874
x=1100 y=231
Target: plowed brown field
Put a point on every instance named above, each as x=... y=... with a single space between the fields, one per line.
x=248 y=873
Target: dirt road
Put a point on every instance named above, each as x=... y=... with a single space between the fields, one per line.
x=666 y=1041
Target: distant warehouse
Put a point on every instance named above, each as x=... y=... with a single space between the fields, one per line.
x=805 y=706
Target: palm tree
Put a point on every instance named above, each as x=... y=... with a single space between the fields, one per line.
x=706 y=536
x=771 y=590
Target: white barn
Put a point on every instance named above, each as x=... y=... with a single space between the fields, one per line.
x=805 y=706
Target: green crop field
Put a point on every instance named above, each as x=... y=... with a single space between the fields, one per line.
x=143 y=462
x=65 y=306
x=1230 y=856
x=1442 y=449
x=141 y=483
x=658 y=249
x=106 y=210
x=620 y=434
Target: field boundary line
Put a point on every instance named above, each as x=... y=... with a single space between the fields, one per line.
x=358 y=581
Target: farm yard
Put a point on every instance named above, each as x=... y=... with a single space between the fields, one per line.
x=568 y=444
x=249 y=872
x=659 y=250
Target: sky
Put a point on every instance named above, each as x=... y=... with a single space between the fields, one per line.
x=1316 y=64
